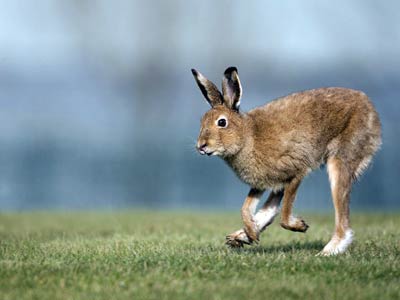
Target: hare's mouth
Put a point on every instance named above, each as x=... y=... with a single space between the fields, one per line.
x=203 y=152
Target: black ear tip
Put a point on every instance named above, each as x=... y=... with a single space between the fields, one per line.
x=194 y=72
x=230 y=70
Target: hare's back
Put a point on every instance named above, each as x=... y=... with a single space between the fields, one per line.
x=305 y=123
x=315 y=111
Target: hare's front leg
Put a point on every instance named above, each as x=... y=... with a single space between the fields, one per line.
x=250 y=231
x=288 y=221
x=260 y=221
x=248 y=210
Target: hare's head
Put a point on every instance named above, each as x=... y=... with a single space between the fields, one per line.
x=222 y=127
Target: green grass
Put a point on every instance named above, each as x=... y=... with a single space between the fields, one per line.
x=146 y=255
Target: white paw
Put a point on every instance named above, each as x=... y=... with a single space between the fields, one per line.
x=337 y=246
x=237 y=239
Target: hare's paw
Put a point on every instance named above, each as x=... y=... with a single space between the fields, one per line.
x=237 y=239
x=295 y=224
x=337 y=245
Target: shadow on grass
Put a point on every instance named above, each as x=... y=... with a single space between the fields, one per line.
x=309 y=246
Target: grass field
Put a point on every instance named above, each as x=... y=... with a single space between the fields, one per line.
x=146 y=255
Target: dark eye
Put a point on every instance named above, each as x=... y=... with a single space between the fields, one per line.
x=222 y=122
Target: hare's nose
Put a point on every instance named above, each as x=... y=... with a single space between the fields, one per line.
x=201 y=147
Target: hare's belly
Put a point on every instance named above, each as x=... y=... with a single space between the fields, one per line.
x=261 y=179
x=265 y=183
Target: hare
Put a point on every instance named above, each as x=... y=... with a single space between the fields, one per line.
x=276 y=145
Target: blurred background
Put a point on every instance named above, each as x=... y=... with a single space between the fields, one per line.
x=99 y=109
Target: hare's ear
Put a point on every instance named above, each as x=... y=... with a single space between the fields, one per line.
x=231 y=88
x=209 y=90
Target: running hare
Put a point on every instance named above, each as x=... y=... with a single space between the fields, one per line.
x=276 y=145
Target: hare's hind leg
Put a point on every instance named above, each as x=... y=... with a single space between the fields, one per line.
x=288 y=221
x=264 y=217
x=341 y=181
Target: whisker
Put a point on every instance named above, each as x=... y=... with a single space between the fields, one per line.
x=190 y=144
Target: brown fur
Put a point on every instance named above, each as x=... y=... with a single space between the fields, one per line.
x=247 y=214
x=276 y=145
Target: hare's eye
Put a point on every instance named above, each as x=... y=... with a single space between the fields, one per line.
x=222 y=122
